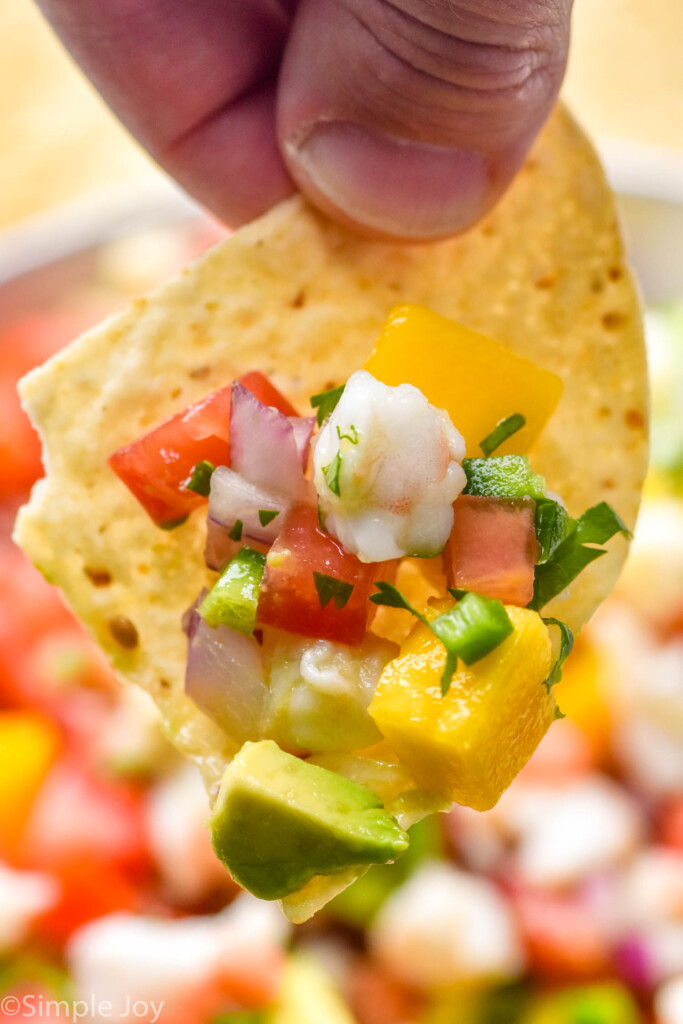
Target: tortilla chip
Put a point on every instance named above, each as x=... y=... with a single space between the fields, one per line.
x=303 y=300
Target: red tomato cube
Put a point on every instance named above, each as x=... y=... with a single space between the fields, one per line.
x=156 y=467
x=492 y=548
x=289 y=596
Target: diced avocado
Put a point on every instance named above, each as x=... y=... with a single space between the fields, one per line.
x=278 y=821
x=233 y=599
x=308 y=995
x=503 y=476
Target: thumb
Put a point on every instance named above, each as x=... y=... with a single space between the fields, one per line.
x=409 y=118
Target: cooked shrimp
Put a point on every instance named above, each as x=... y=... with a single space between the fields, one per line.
x=387 y=471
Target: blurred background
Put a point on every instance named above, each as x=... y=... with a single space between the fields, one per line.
x=563 y=905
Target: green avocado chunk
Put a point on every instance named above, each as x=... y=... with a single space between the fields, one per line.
x=278 y=821
x=503 y=476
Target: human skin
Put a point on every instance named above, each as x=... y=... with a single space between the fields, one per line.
x=402 y=118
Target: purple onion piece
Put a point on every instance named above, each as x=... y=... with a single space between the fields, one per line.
x=232 y=498
x=219 y=547
x=224 y=677
x=303 y=427
x=634 y=964
x=263 y=448
x=190 y=617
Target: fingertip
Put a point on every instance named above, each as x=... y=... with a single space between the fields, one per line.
x=389 y=187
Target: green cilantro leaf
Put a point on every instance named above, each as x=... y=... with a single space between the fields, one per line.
x=353 y=436
x=173 y=524
x=236 y=531
x=391 y=597
x=326 y=402
x=599 y=524
x=501 y=432
x=330 y=588
x=266 y=515
x=553 y=523
x=595 y=526
x=200 y=478
x=331 y=473
x=555 y=575
x=566 y=644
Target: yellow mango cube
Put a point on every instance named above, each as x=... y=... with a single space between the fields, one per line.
x=469 y=744
x=475 y=379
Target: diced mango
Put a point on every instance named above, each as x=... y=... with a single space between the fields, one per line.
x=476 y=380
x=29 y=744
x=470 y=744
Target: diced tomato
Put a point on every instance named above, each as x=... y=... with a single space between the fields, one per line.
x=289 y=598
x=253 y=981
x=25 y=343
x=671 y=824
x=377 y=998
x=89 y=888
x=43 y=651
x=157 y=466
x=77 y=814
x=266 y=392
x=564 y=937
x=492 y=548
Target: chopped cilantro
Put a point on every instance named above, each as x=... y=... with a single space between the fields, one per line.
x=552 y=523
x=469 y=630
x=326 y=402
x=330 y=588
x=501 y=432
x=236 y=531
x=566 y=644
x=595 y=526
x=331 y=473
x=172 y=524
x=391 y=597
x=599 y=523
x=266 y=515
x=200 y=479
x=353 y=436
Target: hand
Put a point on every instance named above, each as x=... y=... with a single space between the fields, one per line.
x=403 y=118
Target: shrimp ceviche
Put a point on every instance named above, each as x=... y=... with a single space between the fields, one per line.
x=339 y=506
x=374 y=642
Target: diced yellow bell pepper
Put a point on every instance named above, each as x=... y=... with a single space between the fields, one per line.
x=470 y=744
x=475 y=379
x=29 y=744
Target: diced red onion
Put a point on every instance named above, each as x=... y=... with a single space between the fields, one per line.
x=263 y=447
x=233 y=498
x=303 y=427
x=219 y=547
x=224 y=677
x=634 y=964
x=190 y=617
